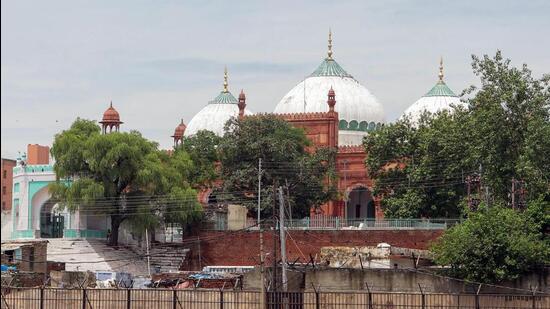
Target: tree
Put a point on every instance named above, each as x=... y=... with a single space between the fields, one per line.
x=493 y=245
x=122 y=175
x=202 y=148
x=308 y=177
x=420 y=169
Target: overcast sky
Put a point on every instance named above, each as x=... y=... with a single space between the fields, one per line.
x=160 y=61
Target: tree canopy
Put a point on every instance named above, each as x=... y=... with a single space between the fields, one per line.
x=307 y=176
x=420 y=168
x=122 y=175
x=496 y=243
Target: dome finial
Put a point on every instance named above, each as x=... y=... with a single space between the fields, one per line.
x=329 y=43
x=441 y=69
x=225 y=80
x=111 y=104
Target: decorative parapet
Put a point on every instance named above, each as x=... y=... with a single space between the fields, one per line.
x=303 y=116
x=41 y=168
x=351 y=149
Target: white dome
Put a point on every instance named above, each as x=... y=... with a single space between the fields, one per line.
x=214 y=115
x=439 y=98
x=358 y=110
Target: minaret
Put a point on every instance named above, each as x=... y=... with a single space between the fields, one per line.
x=441 y=70
x=329 y=44
x=331 y=100
x=178 y=134
x=242 y=104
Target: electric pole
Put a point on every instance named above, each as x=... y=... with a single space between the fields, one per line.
x=274 y=270
x=282 y=237
x=262 y=275
x=473 y=187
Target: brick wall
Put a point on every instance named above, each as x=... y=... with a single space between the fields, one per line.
x=242 y=248
x=37 y=154
x=7 y=183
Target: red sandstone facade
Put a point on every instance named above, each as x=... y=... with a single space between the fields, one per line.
x=38 y=154
x=322 y=130
x=7 y=183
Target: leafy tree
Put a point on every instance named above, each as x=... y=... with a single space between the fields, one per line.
x=420 y=169
x=307 y=176
x=122 y=175
x=202 y=148
x=493 y=245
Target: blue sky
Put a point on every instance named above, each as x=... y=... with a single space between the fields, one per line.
x=160 y=61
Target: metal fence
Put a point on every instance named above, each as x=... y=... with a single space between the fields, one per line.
x=338 y=223
x=50 y=298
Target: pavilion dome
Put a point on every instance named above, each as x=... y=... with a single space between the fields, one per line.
x=439 y=98
x=358 y=110
x=180 y=130
x=216 y=113
x=111 y=115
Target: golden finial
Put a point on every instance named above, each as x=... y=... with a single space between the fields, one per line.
x=225 y=80
x=329 y=43
x=441 y=69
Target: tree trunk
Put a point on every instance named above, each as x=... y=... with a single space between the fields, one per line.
x=116 y=220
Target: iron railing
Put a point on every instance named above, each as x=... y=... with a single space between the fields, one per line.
x=337 y=223
x=46 y=298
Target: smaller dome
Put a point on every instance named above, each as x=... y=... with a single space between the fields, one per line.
x=439 y=98
x=111 y=115
x=180 y=130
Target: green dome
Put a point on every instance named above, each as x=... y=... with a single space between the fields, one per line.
x=225 y=97
x=440 y=90
x=329 y=67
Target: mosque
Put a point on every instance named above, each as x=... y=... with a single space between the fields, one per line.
x=333 y=108
x=336 y=111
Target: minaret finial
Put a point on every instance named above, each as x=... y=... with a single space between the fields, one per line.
x=225 y=80
x=441 y=69
x=329 y=43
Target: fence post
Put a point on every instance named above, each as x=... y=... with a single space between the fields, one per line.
x=42 y=297
x=174 y=299
x=423 y=297
x=221 y=299
x=84 y=298
x=128 y=299
x=477 y=296
x=370 y=295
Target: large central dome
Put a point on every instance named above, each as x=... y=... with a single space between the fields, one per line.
x=358 y=110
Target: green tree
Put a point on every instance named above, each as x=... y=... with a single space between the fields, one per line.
x=308 y=177
x=123 y=176
x=420 y=169
x=493 y=245
x=202 y=148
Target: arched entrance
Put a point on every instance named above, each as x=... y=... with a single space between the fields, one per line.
x=52 y=223
x=360 y=204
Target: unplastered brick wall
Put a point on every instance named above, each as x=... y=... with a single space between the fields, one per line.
x=240 y=248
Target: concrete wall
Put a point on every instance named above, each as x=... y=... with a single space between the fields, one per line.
x=236 y=217
x=403 y=280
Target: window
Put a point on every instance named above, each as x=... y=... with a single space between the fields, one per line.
x=4 y=190
x=9 y=254
x=5 y=173
x=16 y=187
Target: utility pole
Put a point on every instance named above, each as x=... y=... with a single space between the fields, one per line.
x=513 y=193
x=148 y=256
x=262 y=275
x=274 y=270
x=282 y=237
x=473 y=186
